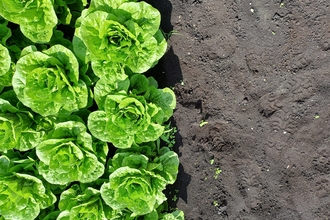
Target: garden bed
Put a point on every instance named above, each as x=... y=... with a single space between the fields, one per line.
x=258 y=73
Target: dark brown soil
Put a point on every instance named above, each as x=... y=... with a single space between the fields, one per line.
x=258 y=72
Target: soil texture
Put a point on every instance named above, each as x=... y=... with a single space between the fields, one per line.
x=257 y=73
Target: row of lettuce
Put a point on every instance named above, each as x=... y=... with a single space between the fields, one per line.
x=83 y=131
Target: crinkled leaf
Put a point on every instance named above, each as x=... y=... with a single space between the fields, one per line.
x=5 y=60
x=83 y=204
x=142 y=13
x=176 y=215
x=22 y=196
x=36 y=18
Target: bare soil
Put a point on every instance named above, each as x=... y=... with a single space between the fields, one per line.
x=258 y=72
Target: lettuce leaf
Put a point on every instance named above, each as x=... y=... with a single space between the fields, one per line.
x=36 y=18
x=176 y=215
x=6 y=69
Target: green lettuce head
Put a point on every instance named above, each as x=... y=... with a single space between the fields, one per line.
x=138 y=190
x=22 y=196
x=126 y=119
x=128 y=35
x=69 y=154
x=17 y=128
x=136 y=181
x=36 y=18
x=48 y=82
x=133 y=113
x=80 y=203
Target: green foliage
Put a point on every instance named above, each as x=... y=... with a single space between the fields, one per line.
x=22 y=195
x=48 y=81
x=125 y=120
x=36 y=18
x=84 y=203
x=134 y=114
x=176 y=215
x=136 y=181
x=6 y=71
x=127 y=34
x=72 y=93
x=217 y=173
x=67 y=155
x=17 y=128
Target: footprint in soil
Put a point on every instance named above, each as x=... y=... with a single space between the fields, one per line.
x=323 y=187
x=220 y=45
x=321 y=160
x=250 y=185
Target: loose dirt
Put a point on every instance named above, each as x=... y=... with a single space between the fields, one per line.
x=257 y=72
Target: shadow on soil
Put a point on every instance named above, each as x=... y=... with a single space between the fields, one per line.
x=168 y=73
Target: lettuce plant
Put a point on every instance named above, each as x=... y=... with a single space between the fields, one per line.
x=137 y=190
x=22 y=196
x=136 y=182
x=48 y=81
x=126 y=119
x=68 y=155
x=17 y=128
x=77 y=202
x=128 y=34
x=132 y=116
